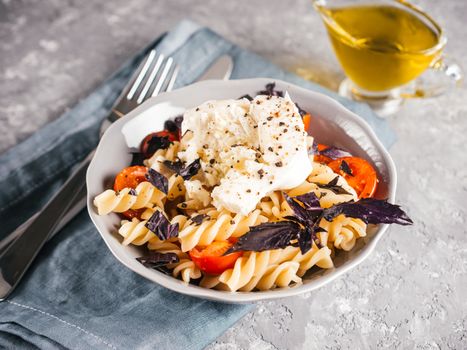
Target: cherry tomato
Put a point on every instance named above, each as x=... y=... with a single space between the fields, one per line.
x=130 y=178
x=319 y=158
x=145 y=144
x=211 y=259
x=306 y=121
x=133 y=213
x=363 y=178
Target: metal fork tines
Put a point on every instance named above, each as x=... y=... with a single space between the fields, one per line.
x=155 y=76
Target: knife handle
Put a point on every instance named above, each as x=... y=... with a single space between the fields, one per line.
x=18 y=256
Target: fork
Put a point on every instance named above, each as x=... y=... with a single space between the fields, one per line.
x=155 y=75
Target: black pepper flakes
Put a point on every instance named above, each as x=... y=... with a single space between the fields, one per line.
x=205 y=146
x=270 y=149
x=285 y=130
x=197 y=109
x=278 y=164
x=281 y=124
x=269 y=119
x=212 y=161
x=248 y=191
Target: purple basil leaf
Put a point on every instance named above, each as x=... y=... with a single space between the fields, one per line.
x=165 y=270
x=178 y=121
x=314 y=148
x=137 y=158
x=308 y=236
x=344 y=166
x=198 y=219
x=334 y=153
x=293 y=218
x=190 y=170
x=156 y=259
x=270 y=89
x=304 y=239
x=315 y=238
x=267 y=236
x=371 y=211
x=161 y=227
x=176 y=166
x=303 y=216
x=156 y=143
x=332 y=185
x=248 y=97
x=158 y=180
x=310 y=202
x=187 y=172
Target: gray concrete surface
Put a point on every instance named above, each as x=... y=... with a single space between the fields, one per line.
x=411 y=293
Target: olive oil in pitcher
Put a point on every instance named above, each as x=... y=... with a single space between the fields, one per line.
x=382 y=46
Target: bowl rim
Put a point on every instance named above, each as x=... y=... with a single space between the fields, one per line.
x=246 y=297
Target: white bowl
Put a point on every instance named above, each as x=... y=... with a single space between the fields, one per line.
x=332 y=124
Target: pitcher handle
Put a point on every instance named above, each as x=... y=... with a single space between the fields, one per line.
x=443 y=75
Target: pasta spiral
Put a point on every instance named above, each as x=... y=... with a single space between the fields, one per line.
x=160 y=155
x=136 y=232
x=219 y=226
x=145 y=195
x=275 y=207
x=342 y=232
x=187 y=198
x=268 y=269
x=184 y=268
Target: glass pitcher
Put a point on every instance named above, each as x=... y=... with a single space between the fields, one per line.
x=390 y=50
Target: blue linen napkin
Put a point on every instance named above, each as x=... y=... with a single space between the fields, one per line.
x=77 y=295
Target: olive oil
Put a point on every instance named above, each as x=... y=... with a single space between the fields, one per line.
x=381 y=47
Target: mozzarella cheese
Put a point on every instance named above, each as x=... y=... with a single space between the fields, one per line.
x=247 y=149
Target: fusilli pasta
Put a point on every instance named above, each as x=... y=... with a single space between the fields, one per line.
x=160 y=155
x=268 y=269
x=219 y=226
x=188 y=203
x=144 y=195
